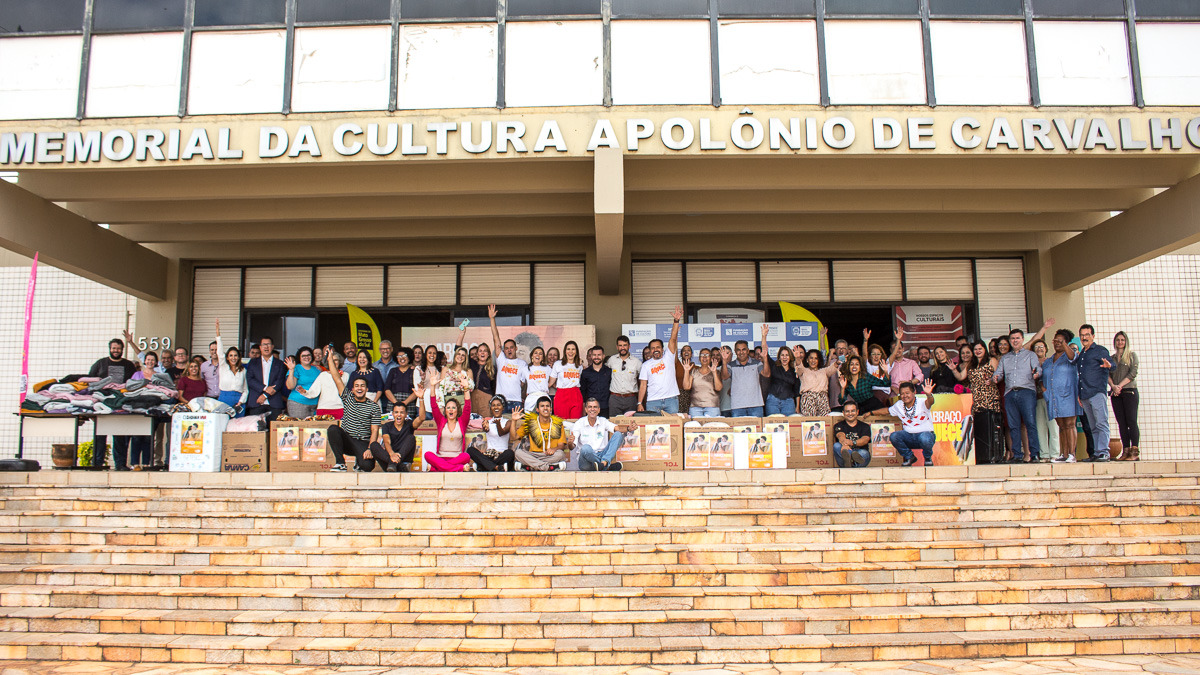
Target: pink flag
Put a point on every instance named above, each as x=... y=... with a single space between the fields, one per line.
x=28 y=325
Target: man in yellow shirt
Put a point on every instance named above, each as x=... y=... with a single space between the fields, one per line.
x=547 y=438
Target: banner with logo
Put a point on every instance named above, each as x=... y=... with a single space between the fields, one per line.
x=526 y=337
x=708 y=335
x=364 y=330
x=930 y=325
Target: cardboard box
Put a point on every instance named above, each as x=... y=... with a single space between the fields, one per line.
x=810 y=440
x=196 y=441
x=719 y=449
x=244 y=452
x=736 y=423
x=661 y=447
x=882 y=452
x=300 y=447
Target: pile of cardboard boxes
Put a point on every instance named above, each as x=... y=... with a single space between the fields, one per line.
x=666 y=443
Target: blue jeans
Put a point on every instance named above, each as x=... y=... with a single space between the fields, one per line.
x=590 y=459
x=697 y=411
x=780 y=406
x=904 y=442
x=512 y=405
x=667 y=405
x=756 y=411
x=1021 y=407
x=1096 y=409
x=859 y=457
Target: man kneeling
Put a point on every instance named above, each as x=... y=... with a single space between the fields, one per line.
x=546 y=437
x=593 y=441
x=853 y=445
x=917 y=421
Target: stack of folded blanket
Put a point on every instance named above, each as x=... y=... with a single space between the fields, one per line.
x=75 y=395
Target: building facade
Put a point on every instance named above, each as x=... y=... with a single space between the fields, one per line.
x=600 y=161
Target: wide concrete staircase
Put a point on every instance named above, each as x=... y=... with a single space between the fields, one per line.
x=599 y=569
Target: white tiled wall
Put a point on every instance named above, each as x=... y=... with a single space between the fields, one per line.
x=1156 y=304
x=73 y=320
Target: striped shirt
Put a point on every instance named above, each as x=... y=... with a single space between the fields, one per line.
x=359 y=416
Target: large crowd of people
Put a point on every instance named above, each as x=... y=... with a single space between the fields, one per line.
x=1028 y=398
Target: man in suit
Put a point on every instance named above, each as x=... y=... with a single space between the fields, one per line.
x=266 y=380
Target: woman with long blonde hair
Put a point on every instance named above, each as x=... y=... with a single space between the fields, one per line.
x=1123 y=378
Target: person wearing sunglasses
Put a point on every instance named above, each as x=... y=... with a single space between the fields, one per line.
x=623 y=387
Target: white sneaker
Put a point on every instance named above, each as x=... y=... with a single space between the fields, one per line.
x=338 y=468
x=1070 y=459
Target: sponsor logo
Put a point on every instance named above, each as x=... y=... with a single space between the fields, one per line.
x=257 y=466
x=802 y=331
x=705 y=332
x=658 y=368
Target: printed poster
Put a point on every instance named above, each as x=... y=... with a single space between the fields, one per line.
x=314 y=445
x=658 y=443
x=697 y=452
x=288 y=449
x=720 y=450
x=192 y=441
x=779 y=428
x=477 y=440
x=762 y=451
x=631 y=449
x=881 y=439
x=814 y=439
x=418 y=463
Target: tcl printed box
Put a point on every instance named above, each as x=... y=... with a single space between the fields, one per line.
x=661 y=444
x=810 y=440
x=244 y=452
x=719 y=449
x=196 y=441
x=300 y=447
x=882 y=451
x=760 y=450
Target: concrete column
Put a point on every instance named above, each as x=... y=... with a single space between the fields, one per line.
x=609 y=204
x=1042 y=299
x=172 y=316
x=608 y=311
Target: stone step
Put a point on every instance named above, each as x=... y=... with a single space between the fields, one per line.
x=597 y=651
x=528 y=623
x=130 y=598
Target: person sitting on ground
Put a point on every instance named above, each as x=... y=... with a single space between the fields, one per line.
x=545 y=433
x=397 y=441
x=497 y=452
x=451 y=447
x=359 y=427
x=596 y=441
x=917 y=420
x=853 y=445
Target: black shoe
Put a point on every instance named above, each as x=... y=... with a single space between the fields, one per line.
x=394 y=468
x=122 y=468
x=615 y=466
x=1102 y=458
x=909 y=462
x=404 y=467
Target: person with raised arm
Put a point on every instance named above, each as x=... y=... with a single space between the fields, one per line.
x=743 y=373
x=658 y=389
x=359 y=426
x=705 y=383
x=450 y=453
x=512 y=373
x=917 y=422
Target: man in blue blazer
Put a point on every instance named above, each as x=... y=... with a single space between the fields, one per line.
x=266 y=382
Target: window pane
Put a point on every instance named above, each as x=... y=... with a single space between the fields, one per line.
x=875 y=62
x=979 y=62
x=766 y=8
x=660 y=62
x=447 y=66
x=1080 y=8
x=236 y=72
x=45 y=84
x=113 y=15
x=134 y=75
x=660 y=8
x=448 y=9
x=871 y=7
x=238 y=13
x=769 y=62
x=975 y=8
x=553 y=8
x=1167 y=8
x=341 y=68
x=29 y=16
x=343 y=10
x=1170 y=59
x=567 y=53
x=1083 y=62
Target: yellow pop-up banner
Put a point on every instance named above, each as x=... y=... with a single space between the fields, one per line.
x=364 y=331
